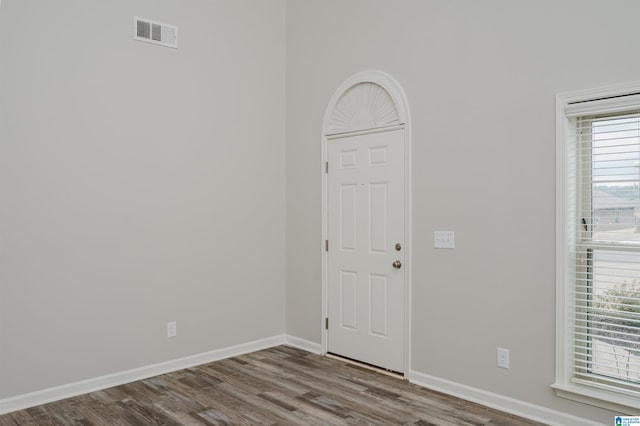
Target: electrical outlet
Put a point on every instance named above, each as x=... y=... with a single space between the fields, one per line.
x=171 y=329
x=503 y=358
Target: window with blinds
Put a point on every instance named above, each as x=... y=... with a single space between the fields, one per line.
x=599 y=248
x=607 y=255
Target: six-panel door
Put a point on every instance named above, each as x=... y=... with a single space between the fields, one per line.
x=366 y=236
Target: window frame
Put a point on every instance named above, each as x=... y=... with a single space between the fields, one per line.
x=603 y=100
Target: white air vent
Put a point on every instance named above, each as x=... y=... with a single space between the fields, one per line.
x=155 y=32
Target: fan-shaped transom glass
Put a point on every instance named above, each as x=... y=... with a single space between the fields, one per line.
x=365 y=105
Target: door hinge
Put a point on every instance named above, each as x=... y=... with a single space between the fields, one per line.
x=326 y=167
x=326 y=245
x=326 y=323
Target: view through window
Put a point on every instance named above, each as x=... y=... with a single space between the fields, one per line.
x=607 y=307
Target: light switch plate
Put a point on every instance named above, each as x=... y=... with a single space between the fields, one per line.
x=171 y=329
x=443 y=239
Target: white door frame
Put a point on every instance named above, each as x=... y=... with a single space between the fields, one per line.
x=362 y=90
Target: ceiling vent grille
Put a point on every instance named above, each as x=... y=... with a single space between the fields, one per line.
x=155 y=32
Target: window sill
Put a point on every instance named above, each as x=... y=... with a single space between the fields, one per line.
x=620 y=404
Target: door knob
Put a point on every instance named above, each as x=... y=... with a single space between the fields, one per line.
x=397 y=264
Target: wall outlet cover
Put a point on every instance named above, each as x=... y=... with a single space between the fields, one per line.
x=503 y=358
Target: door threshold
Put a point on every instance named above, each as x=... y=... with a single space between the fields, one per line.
x=365 y=365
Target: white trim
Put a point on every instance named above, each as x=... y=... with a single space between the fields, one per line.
x=402 y=106
x=593 y=397
x=499 y=402
x=562 y=359
x=305 y=345
x=391 y=128
x=607 y=99
x=57 y=393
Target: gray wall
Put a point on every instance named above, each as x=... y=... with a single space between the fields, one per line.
x=481 y=80
x=141 y=184
x=138 y=184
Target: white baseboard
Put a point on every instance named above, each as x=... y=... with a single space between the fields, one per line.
x=305 y=345
x=489 y=399
x=57 y=393
x=499 y=402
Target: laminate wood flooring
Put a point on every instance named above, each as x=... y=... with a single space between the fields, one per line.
x=276 y=386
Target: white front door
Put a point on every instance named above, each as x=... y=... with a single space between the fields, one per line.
x=366 y=280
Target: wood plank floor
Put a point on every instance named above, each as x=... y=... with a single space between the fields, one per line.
x=276 y=386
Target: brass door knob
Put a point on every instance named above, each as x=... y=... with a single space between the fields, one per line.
x=397 y=264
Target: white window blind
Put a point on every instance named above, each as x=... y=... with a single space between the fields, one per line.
x=607 y=105
x=600 y=282
x=607 y=250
